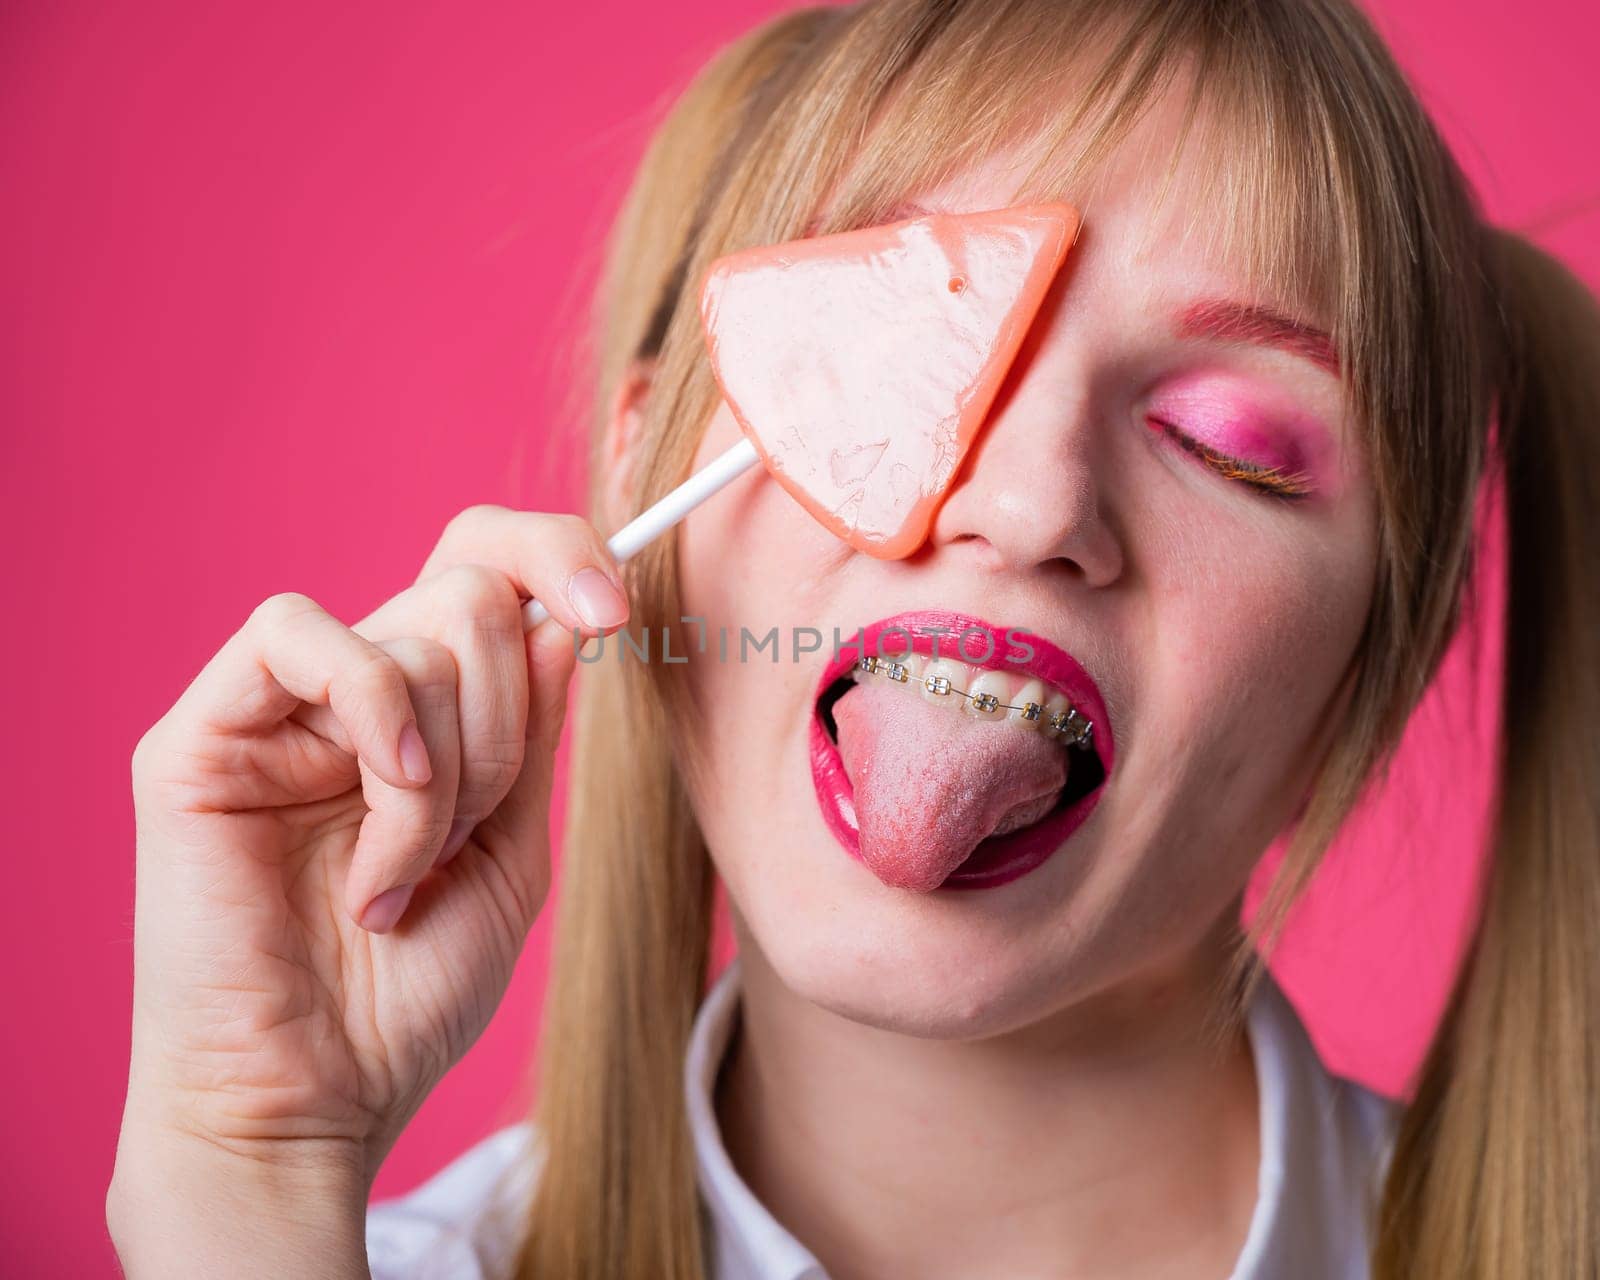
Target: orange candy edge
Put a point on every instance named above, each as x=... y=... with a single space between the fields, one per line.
x=973 y=414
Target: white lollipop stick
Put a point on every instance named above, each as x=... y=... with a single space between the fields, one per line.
x=640 y=532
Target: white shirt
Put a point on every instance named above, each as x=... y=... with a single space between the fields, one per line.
x=1324 y=1145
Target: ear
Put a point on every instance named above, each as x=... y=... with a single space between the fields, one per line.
x=624 y=423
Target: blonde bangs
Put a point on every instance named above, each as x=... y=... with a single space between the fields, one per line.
x=1067 y=84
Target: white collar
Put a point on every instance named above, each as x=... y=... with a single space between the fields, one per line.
x=747 y=1242
x=1323 y=1144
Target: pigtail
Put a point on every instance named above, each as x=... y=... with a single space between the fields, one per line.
x=616 y=1192
x=1496 y=1166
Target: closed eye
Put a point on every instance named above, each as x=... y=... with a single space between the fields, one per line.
x=1273 y=481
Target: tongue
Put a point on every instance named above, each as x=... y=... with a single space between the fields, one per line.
x=931 y=782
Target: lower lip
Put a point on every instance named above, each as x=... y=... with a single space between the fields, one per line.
x=996 y=861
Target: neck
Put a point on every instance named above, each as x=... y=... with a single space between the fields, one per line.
x=1116 y=1138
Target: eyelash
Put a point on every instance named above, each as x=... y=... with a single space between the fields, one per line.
x=1272 y=482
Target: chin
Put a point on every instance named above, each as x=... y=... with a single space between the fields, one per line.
x=911 y=970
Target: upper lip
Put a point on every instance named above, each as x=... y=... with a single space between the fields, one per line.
x=926 y=627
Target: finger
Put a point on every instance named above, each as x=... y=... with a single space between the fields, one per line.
x=404 y=829
x=476 y=613
x=517 y=833
x=559 y=560
x=292 y=651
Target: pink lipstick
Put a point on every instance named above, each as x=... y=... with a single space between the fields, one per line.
x=926 y=798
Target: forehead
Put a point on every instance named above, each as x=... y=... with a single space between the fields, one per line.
x=1162 y=209
x=1181 y=182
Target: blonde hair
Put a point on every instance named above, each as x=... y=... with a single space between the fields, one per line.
x=1337 y=193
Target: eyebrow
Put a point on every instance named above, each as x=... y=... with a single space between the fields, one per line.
x=1261 y=326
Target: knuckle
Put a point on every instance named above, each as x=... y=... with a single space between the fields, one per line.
x=462 y=525
x=493 y=767
x=562 y=533
x=145 y=752
x=431 y=832
x=281 y=608
x=423 y=660
x=375 y=678
x=578 y=530
x=476 y=591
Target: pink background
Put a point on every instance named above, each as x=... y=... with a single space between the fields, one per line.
x=286 y=286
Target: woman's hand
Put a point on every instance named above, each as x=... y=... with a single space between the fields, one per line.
x=343 y=839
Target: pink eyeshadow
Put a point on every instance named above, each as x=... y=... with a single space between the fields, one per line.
x=1229 y=415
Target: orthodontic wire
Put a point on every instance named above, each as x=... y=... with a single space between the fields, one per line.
x=1061 y=723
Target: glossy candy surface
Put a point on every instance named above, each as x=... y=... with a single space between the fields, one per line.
x=862 y=365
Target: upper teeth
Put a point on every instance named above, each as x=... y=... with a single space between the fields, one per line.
x=986 y=694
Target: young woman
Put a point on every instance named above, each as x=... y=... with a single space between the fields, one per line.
x=1232 y=475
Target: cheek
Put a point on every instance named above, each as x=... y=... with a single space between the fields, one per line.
x=1253 y=632
x=1245 y=633
x=750 y=555
x=750 y=561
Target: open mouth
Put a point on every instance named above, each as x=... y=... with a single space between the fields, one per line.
x=950 y=753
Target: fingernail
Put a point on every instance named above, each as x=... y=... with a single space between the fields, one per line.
x=596 y=599
x=460 y=829
x=413 y=755
x=384 y=911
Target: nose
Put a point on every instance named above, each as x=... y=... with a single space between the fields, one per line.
x=1030 y=493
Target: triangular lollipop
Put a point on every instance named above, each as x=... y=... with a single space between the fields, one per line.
x=861 y=365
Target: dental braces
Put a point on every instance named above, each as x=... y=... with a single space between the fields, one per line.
x=1070 y=726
